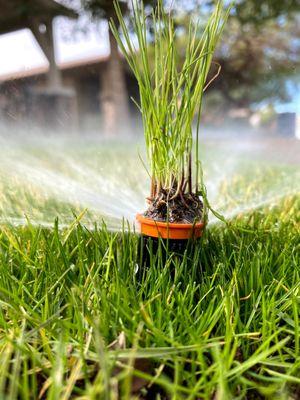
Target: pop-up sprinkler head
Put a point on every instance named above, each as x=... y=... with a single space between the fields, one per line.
x=172 y=238
x=168 y=230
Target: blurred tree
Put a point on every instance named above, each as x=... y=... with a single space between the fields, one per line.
x=255 y=12
x=258 y=12
x=257 y=61
x=260 y=50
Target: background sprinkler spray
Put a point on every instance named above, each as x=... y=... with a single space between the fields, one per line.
x=42 y=182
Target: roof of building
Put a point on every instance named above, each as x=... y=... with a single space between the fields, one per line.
x=17 y=14
x=32 y=72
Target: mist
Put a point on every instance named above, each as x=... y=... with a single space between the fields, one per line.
x=46 y=175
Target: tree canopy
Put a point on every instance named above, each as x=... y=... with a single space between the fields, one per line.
x=260 y=50
x=103 y=8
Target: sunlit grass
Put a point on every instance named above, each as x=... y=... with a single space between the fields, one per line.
x=75 y=322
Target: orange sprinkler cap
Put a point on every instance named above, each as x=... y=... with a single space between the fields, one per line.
x=168 y=230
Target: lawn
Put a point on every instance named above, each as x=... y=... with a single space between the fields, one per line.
x=221 y=323
x=77 y=321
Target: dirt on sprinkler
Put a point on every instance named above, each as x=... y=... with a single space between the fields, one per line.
x=185 y=208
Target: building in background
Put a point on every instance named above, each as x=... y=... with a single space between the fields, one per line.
x=88 y=90
x=79 y=80
x=64 y=95
x=50 y=101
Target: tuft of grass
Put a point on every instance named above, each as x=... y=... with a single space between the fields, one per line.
x=76 y=323
x=170 y=96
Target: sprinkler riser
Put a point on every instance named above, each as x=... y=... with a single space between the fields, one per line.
x=150 y=248
x=165 y=239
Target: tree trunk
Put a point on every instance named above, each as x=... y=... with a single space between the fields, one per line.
x=114 y=95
